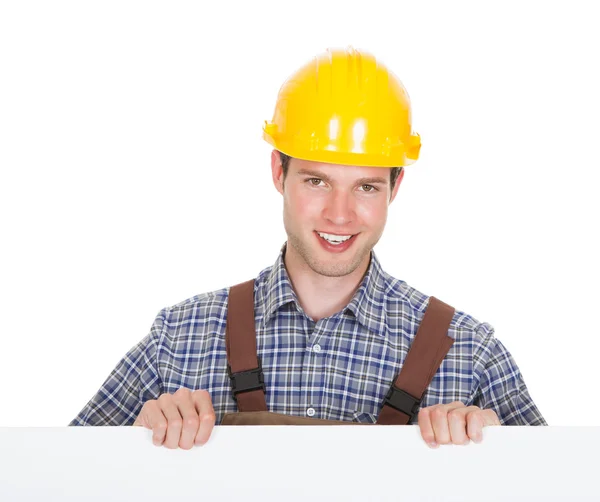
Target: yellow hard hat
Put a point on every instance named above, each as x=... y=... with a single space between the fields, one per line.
x=344 y=107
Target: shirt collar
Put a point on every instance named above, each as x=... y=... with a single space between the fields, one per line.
x=367 y=304
x=278 y=288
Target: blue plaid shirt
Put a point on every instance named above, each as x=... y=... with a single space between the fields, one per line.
x=341 y=366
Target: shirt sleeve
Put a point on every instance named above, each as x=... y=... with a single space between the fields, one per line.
x=134 y=381
x=502 y=389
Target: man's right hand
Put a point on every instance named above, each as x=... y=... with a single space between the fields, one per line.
x=183 y=419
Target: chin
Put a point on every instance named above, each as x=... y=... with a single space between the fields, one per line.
x=339 y=269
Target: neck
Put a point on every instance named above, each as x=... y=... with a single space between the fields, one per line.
x=319 y=295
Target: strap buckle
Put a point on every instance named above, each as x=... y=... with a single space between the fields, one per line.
x=247 y=381
x=402 y=401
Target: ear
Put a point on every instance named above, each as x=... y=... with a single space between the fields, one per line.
x=397 y=185
x=277 y=171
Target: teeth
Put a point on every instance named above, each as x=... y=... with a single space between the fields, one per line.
x=334 y=239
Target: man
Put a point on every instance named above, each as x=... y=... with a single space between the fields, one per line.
x=329 y=330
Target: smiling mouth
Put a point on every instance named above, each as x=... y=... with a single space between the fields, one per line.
x=336 y=240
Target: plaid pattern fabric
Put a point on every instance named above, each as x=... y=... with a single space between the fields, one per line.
x=341 y=366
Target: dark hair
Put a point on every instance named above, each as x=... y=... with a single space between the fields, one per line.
x=285 y=162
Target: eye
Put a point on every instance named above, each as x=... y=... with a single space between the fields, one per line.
x=314 y=181
x=368 y=188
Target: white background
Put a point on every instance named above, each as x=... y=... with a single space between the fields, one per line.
x=133 y=175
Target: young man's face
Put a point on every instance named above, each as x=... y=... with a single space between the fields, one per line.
x=325 y=204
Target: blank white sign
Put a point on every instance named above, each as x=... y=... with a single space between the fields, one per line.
x=378 y=463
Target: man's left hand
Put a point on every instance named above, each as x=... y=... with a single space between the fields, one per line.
x=454 y=423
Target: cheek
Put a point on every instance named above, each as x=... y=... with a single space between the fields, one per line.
x=372 y=213
x=302 y=206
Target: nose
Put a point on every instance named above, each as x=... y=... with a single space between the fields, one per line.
x=340 y=208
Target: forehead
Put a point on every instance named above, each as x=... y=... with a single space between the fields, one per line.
x=338 y=172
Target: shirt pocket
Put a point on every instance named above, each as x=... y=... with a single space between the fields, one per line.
x=363 y=418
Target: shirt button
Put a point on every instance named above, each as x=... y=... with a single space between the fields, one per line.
x=316 y=348
x=310 y=412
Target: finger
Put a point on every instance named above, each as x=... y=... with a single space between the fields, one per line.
x=489 y=418
x=439 y=421
x=151 y=417
x=475 y=426
x=191 y=422
x=424 y=421
x=206 y=413
x=142 y=418
x=174 y=420
x=457 y=422
x=477 y=420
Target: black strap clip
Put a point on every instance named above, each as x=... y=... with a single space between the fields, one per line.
x=402 y=401
x=247 y=381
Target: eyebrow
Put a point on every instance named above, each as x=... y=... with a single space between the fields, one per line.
x=360 y=181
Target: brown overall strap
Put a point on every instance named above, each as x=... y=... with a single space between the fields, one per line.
x=245 y=371
x=428 y=350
